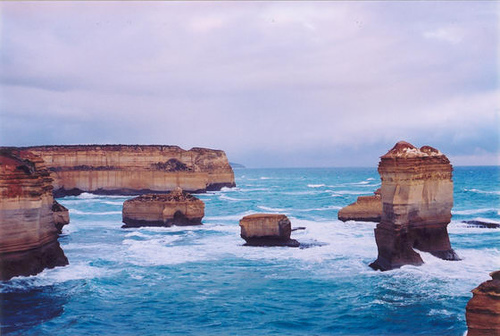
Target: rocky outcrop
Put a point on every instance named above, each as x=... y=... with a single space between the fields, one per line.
x=175 y=208
x=417 y=197
x=483 y=310
x=60 y=214
x=365 y=209
x=267 y=230
x=28 y=235
x=133 y=170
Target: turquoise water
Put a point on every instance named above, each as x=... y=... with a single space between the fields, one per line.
x=202 y=281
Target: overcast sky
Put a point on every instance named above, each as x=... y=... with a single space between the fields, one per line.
x=274 y=84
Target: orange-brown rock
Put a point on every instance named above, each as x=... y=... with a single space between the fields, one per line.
x=134 y=169
x=28 y=235
x=175 y=208
x=60 y=214
x=365 y=209
x=417 y=197
x=483 y=310
x=267 y=230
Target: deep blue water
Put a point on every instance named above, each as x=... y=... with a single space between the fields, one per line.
x=202 y=281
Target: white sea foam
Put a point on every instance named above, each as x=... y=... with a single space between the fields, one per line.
x=350 y=192
x=474 y=211
x=227 y=198
x=330 y=207
x=228 y=217
x=104 y=213
x=265 y=208
x=112 y=203
x=492 y=192
x=315 y=185
x=265 y=178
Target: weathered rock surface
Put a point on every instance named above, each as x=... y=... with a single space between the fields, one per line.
x=60 y=214
x=175 y=208
x=267 y=230
x=365 y=209
x=28 y=235
x=483 y=310
x=134 y=169
x=417 y=197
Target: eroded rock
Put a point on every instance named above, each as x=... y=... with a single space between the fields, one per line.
x=134 y=169
x=28 y=234
x=483 y=310
x=267 y=230
x=417 y=197
x=365 y=209
x=175 y=208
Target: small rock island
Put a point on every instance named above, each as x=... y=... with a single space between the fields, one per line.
x=175 y=208
x=365 y=209
x=267 y=230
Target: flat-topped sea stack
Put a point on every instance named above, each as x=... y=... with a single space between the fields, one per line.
x=175 y=208
x=28 y=234
x=365 y=209
x=417 y=197
x=267 y=230
x=483 y=310
x=134 y=169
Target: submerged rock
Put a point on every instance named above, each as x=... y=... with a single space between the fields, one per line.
x=175 y=208
x=417 y=197
x=267 y=230
x=28 y=234
x=365 y=209
x=483 y=310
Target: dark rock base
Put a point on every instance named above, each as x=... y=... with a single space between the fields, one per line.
x=482 y=224
x=61 y=192
x=396 y=246
x=270 y=241
x=31 y=262
x=134 y=223
x=375 y=219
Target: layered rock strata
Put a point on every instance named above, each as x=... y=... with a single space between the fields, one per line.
x=28 y=234
x=133 y=170
x=417 y=197
x=175 y=208
x=267 y=230
x=365 y=209
x=483 y=310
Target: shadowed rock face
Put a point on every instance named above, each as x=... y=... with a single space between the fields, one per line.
x=28 y=235
x=417 y=197
x=133 y=170
x=174 y=208
x=483 y=310
x=267 y=230
x=365 y=209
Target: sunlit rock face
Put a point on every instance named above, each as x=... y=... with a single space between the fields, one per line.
x=175 y=208
x=417 y=197
x=28 y=235
x=267 y=230
x=483 y=310
x=134 y=169
x=365 y=209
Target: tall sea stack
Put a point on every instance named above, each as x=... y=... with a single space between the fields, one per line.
x=483 y=310
x=417 y=197
x=134 y=169
x=28 y=232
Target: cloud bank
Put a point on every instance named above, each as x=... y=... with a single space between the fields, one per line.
x=271 y=83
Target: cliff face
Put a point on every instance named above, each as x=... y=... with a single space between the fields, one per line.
x=28 y=235
x=417 y=197
x=483 y=310
x=365 y=209
x=174 y=208
x=128 y=169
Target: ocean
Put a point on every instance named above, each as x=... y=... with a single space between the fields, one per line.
x=201 y=280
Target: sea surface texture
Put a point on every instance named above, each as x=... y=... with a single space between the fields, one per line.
x=201 y=280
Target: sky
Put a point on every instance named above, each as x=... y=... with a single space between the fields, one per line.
x=273 y=84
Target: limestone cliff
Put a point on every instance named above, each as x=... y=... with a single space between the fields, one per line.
x=134 y=169
x=417 y=197
x=174 y=208
x=483 y=310
x=365 y=209
x=28 y=235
